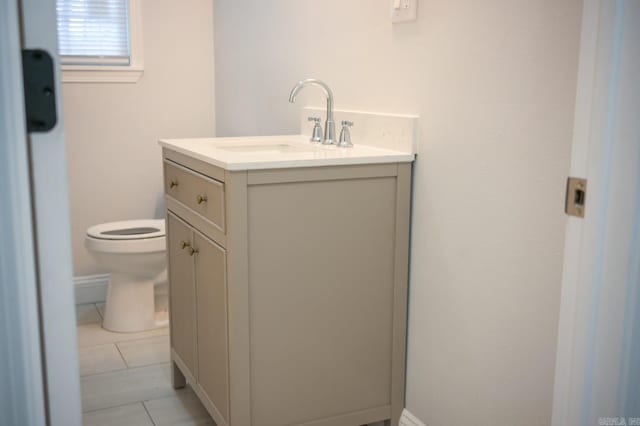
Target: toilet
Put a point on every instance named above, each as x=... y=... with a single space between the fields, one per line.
x=134 y=251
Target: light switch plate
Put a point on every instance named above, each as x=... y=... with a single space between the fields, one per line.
x=404 y=10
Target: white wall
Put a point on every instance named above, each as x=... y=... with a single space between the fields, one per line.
x=115 y=165
x=494 y=84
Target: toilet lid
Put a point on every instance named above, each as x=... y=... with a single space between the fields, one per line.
x=128 y=230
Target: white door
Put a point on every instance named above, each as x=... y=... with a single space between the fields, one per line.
x=598 y=362
x=22 y=394
x=37 y=328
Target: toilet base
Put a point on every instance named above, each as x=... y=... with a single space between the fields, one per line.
x=130 y=304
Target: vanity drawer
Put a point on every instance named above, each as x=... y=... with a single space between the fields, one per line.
x=200 y=193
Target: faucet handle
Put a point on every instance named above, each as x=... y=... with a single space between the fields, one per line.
x=316 y=135
x=345 y=135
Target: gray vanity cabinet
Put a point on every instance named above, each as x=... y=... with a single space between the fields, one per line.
x=288 y=290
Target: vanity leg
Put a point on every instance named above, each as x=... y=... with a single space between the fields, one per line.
x=178 y=380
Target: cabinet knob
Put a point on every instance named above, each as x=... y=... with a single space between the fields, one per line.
x=184 y=244
x=173 y=183
x=201 y=199
x=193 y=251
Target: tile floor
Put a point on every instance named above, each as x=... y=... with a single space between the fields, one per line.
x=125 y=377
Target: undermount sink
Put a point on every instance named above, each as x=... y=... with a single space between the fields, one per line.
x=277 y=147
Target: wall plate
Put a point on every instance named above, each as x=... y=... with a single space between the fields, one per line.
x=404 y=10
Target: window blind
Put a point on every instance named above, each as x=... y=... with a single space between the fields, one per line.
x=93 y=32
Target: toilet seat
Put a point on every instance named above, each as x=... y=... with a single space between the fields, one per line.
x=128 y=230
x=129 y=236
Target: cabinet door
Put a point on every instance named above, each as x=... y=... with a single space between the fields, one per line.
x=182 y=291
x=211 y=288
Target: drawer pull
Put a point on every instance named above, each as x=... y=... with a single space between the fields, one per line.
x=193 y=251
x=201 y=199
x=173 y=183
x=184 y=244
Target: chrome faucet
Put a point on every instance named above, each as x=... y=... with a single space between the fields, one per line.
x=329 y=124
x=345 y=135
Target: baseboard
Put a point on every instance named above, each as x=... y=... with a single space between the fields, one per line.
x=408 y=419
x=91 y=288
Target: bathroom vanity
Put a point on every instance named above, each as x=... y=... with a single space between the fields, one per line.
x=288 y=267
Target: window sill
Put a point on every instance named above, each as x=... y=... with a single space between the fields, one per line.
x=101 y=74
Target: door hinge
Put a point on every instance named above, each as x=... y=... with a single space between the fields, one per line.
x=39 y=90
x=576 y=196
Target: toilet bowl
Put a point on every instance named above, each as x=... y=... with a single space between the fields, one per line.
x=134 y=251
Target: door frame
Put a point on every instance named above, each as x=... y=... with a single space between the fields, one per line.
x=21 y=366
x=587 y=293
x=35 y=228
x=568 y=327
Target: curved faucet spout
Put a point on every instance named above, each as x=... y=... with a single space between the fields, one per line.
x=312 y=81
x=329 y=130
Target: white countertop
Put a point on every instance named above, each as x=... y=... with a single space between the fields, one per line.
x=276 y=152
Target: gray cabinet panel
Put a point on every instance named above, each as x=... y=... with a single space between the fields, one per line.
x=211 y=287
x=321 y=262
x=182 y=292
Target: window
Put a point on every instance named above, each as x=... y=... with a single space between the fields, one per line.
x=99 y=40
